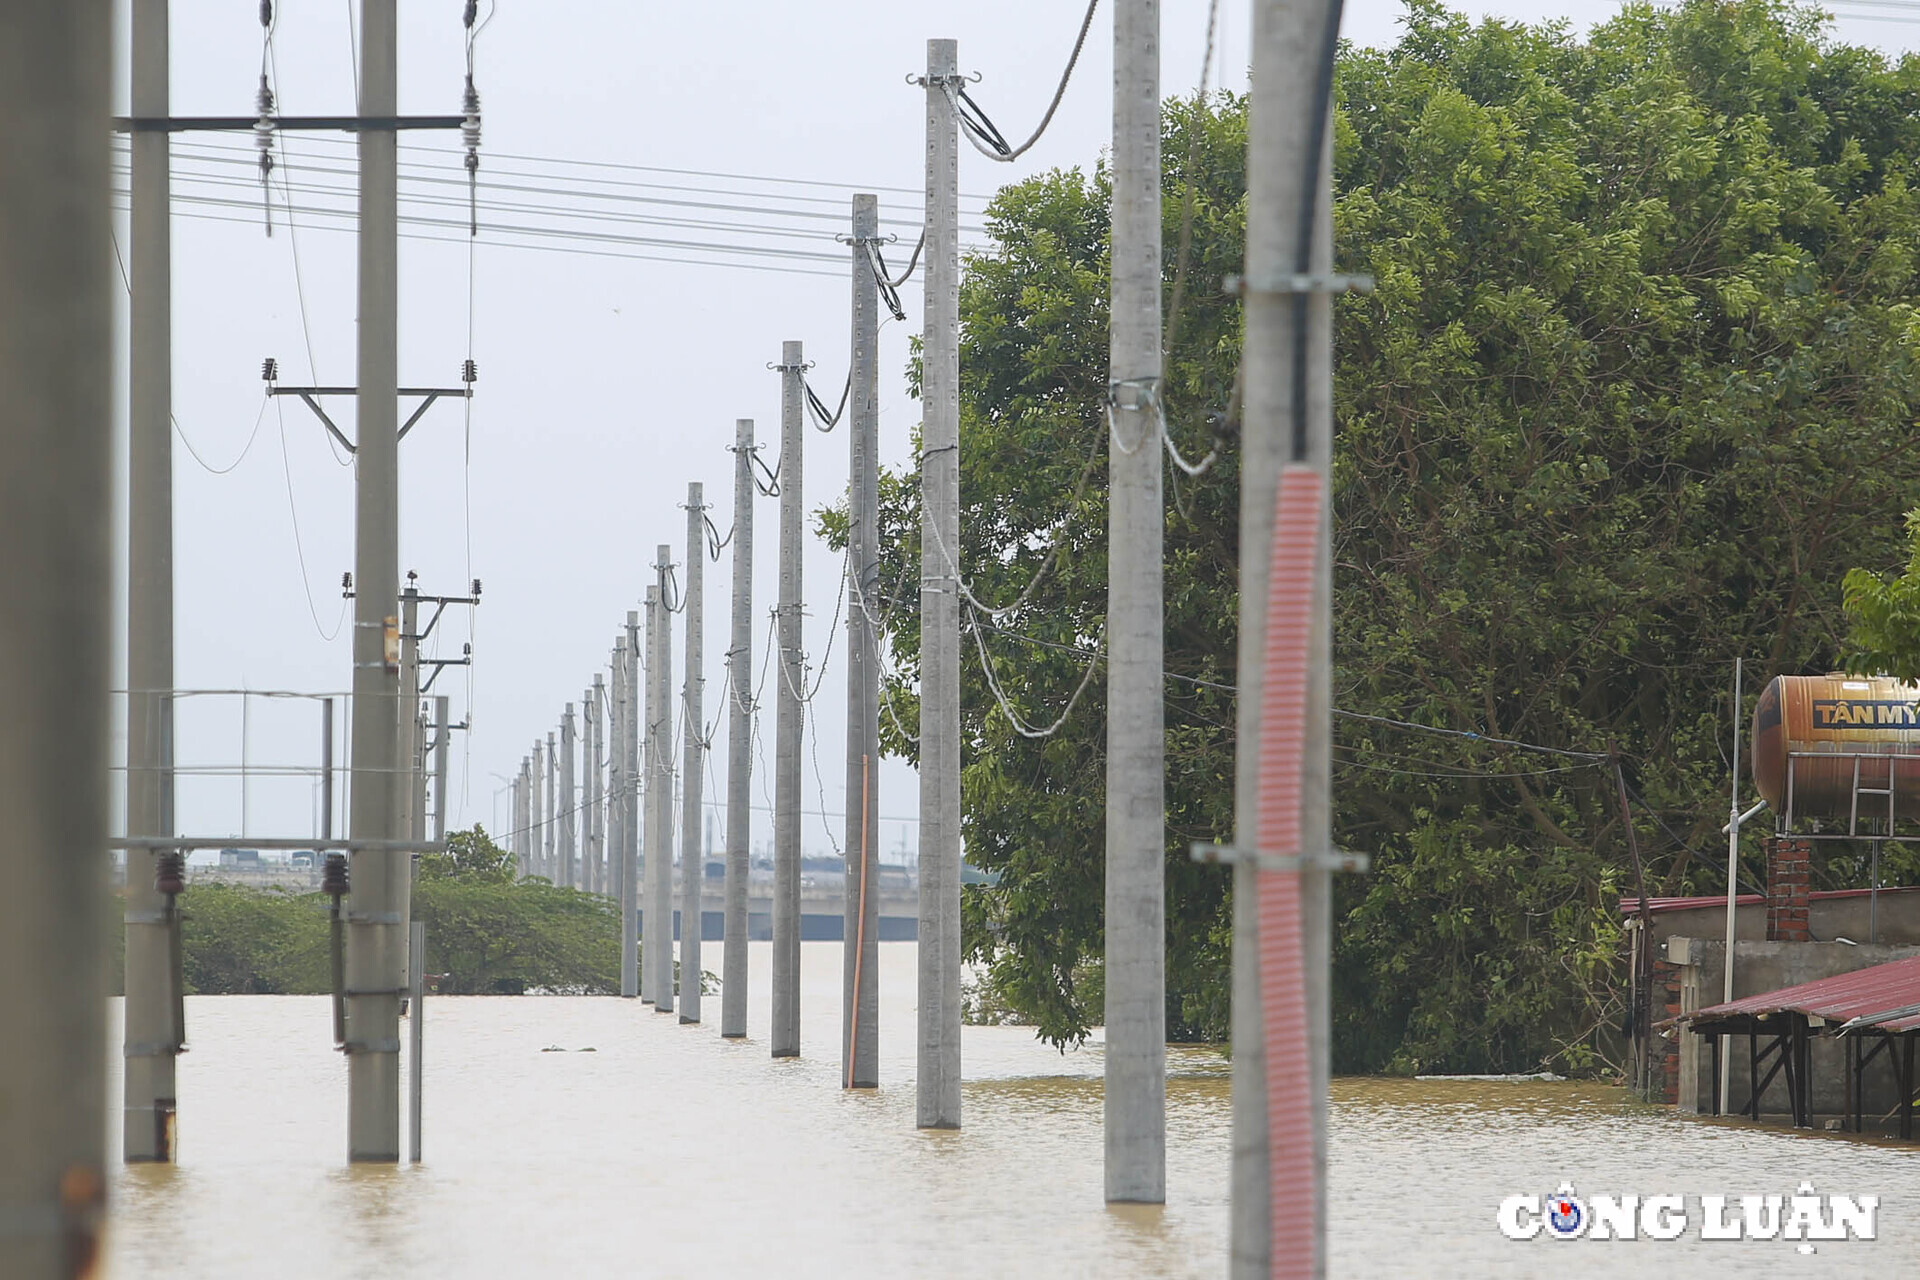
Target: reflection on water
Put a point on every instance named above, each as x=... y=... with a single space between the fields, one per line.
x=669 y=1152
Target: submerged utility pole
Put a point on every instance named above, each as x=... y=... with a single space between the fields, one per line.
x=630 y=809
x=650 y=795
x=860 y=957
x=693 y=858
x=661 y=855
x=733 y=978
x=376 y=942
x=1288 y=411
x=56 y=562
x=568 y=813
x=937 y=1104
x=151 y=1045
x=788 y=713
x=1136 y=988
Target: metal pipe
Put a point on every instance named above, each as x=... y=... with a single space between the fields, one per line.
x=416 y=1029
x=1724 y=1055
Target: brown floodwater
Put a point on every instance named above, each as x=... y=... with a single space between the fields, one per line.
x=666 y=1151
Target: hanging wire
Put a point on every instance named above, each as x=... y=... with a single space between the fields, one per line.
x=889 y=291
x=771 y=488
x=293 y=511
x=715 y=543
x=819 y=780
x=981 y=132
x=1020 y=725
x=827 y=421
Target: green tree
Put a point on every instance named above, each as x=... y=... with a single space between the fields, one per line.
x=1635 y=387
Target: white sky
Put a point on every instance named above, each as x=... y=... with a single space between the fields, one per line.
x=606 y=383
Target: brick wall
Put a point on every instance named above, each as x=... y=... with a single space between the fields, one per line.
x=1789 y=863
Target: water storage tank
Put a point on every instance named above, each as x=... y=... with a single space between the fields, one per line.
x=1871 y=724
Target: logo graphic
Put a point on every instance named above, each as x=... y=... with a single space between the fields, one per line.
x=1566 y=1215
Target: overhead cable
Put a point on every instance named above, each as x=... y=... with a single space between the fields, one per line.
x=981 y=132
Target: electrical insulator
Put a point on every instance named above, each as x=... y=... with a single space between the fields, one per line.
x=263 y=142
x=269 y=369
x=469 y=371
x=266 y=13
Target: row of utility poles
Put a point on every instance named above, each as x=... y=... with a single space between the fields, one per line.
x=53 y=327
x=1286 y=423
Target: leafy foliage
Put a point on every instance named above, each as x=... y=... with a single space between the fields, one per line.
x=1636 y=386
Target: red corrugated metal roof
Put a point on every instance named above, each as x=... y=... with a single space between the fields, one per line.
x=1631 y=906
x=1860 y=994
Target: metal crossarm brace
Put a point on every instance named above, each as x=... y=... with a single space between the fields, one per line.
x=1325 y=860
x=307 y=395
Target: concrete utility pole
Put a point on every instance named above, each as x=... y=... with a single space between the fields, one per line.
x=522 y=807
x=788 y=713
x=376 y=942
x=150 y=1045
x=937 y=1103
x=56 y=371
x=733 y=978
x=553 y=811
x=650 y=801
x=1136 y=987
x=860 y=957
x=660 y=953
x=630 y=811
x=596 y=811
x=1287 y=77
x=616 y=736
x=536 y=836
x=567 y=812
x=693 y=858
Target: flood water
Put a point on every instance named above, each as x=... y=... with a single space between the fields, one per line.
x=669 y=1152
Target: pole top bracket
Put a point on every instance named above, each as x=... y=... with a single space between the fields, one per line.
x=1325 y=860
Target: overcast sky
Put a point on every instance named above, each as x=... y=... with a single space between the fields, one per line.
x=609 y=377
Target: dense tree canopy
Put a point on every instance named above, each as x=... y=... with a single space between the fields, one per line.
x=1636 y=388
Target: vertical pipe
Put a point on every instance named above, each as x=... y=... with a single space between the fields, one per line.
x=1280 y=142
x=788 y=714
x=567 y=812
x=860 y=997
x=651 y=907
x=937 y=1104
x=733 y=978
x=149 y=1096
x=375 y=942
x=1733 y=880
x=693 y=859
x=326 y=772
x=1136 y=837
x=661 y=952
x=416 y=1028
x=56 y=339
x=409 y=823
x=629 y=805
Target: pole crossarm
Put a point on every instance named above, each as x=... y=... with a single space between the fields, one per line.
x=308 y=395
x=1325 y=860
x=304 y=124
